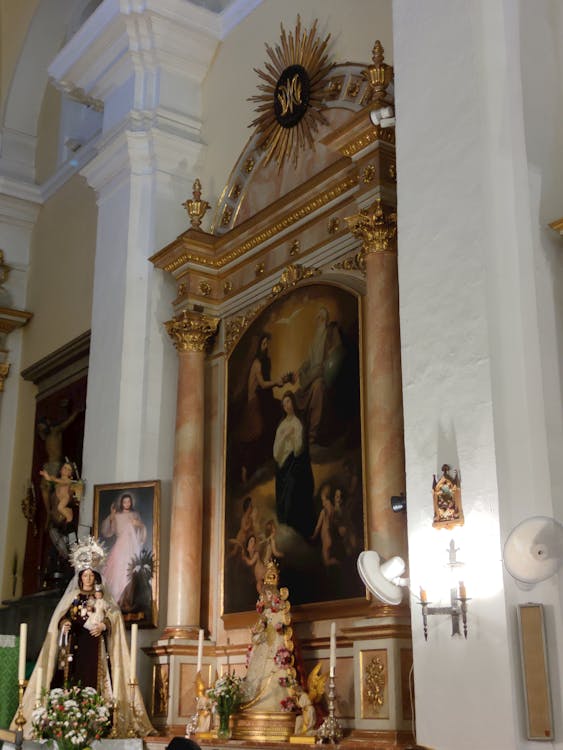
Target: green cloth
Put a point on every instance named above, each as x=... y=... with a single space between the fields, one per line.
x=9 y=649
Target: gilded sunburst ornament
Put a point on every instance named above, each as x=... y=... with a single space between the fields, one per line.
x=291 y=103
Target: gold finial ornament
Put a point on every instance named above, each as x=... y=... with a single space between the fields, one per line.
x=379 y=75
x=195 y=206
x=374 y=227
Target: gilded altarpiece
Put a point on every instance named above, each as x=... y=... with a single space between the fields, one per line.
x=293 y=285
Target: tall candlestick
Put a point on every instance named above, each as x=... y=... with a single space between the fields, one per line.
x=462 y=590
x=23 y=647
x=332 y=649
x=115 y=682
x=39 y=684
x=134 y=631
x=423 y=596
x=199 y=650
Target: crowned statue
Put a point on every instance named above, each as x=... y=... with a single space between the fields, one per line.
x=270 y=690
x=86 y=646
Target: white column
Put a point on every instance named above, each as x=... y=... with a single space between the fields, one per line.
x=146 y=62
x=17 y=218
x=471 y=351
x=146 y=65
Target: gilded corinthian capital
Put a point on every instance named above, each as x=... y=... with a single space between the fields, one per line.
x=375 y=227
x=191 y=331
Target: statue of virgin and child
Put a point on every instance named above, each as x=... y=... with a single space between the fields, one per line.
x=86 y=646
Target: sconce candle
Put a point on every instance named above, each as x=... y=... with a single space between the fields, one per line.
x=134 y=632
x=332 y=649
x=199 y=651
x=23 y=648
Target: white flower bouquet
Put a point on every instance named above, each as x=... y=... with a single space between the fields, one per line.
x=72 y=718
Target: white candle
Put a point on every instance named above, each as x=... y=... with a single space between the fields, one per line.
x=23 y=646
x=332 y=648
x=39 y=683
x=134 y=631
x=199 y=650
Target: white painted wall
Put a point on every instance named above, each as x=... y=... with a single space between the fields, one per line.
x=471 y=273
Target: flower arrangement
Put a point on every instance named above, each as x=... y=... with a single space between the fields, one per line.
x=288 y=704
x=283 y=657
x=72 y=717
x=226 y=694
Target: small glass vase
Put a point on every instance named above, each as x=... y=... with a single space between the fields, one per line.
x=224 y=728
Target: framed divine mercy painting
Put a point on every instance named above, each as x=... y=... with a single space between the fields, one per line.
x=126 y=519
x=294 y=488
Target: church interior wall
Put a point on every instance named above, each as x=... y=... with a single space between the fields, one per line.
x=473 y=263
x=14 y=24
x=47 y=151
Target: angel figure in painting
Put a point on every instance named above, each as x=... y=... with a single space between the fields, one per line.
x=324 y=526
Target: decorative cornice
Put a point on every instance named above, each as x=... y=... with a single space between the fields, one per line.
x=117 y=42
x=375 y=228
x=192 y=331
x=19 y=199
x=285 y=222
x=11 y=319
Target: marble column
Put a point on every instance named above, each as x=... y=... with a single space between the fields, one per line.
x=385 y=456
x=191 y=333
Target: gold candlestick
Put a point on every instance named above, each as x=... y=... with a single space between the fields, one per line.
x=20 y=719
x=132 y=724
x=114 y=714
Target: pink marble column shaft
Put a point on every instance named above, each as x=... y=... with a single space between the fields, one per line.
x=184 y=580
x=385 y=468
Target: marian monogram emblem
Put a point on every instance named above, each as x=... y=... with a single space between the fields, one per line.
x=290 y=107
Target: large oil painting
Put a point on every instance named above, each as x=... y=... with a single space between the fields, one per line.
x=294 y=451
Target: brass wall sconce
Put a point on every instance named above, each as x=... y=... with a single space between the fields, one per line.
x=458 y=601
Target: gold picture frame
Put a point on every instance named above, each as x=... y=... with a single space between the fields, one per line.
x=129 y=529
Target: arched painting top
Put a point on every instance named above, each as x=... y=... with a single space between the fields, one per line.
x=253 y=185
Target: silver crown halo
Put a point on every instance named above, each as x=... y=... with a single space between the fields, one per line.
x=87 y=552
